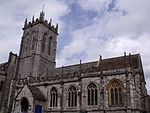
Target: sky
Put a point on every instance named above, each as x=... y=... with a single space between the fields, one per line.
x=87 y=28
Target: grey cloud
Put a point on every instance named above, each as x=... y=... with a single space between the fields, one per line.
x=13 y=14
x=113 y=33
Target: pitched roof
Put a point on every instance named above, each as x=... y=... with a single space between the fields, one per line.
x=106 y=64
x=3 y=69
x=121 y=62
x=3 y=66
x=133 y=61
x=37 y=94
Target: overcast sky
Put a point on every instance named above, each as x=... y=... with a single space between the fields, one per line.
x=87 y=28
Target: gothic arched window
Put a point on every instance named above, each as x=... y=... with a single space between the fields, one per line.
x=53 y=97
x=92 y=94
x=72 y=97
x=43 y=42
x=49 y=45
x=115 y=93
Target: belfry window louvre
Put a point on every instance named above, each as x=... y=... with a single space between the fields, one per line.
x=115 y=94
x=92 y=94
x=72 y=97
x=53 y=97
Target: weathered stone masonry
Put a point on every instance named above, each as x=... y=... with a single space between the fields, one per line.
x=33 y=84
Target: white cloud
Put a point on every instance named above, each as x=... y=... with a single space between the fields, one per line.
x=13 y=14
x=135 y=19
x=94 y=5
x=124 y=28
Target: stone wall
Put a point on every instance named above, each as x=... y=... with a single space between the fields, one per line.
x=8 y=92
x=2 y=80
x=132 y=92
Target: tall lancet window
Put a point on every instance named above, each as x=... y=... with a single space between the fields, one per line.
x=92 y=94
x=72 y=97
x=115 y=93
x=1 y=85
x=43 y=42
x=26 y=43
x=53 y=97
x=33 y=41
x=49 y=45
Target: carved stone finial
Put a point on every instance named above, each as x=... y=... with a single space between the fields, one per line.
x=42 y=14
x=33 y=18
x=57 y=27
x=50 y=22
x=129 y=54
x=25 y=23
x=100 y=57
x=124 y=53
x=80 y=61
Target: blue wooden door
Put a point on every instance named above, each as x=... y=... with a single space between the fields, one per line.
x=38 y=109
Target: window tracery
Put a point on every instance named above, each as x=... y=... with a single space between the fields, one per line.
x=92 y=94
x=53 y=97
x=72 y=97
x=115 y=93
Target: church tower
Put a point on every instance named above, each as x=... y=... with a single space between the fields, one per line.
x=38 y=48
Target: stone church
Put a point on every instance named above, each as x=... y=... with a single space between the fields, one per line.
x=31 y=83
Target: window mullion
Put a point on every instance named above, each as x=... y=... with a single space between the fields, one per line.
x=114 y=96
x=93 y=96
x=69 y=99
x=52 y=99
x=55 y=101
x=73 y=98
x=118 y=96
x=90 y=96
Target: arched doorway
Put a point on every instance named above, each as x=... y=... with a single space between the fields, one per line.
x=24 y=105
x=38 y=109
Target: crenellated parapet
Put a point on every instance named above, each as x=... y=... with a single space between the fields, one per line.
x=41 y=20
x=87 y=70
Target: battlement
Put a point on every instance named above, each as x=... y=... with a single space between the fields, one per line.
x=101 y=67
x=42 y=21
x=75 y=76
